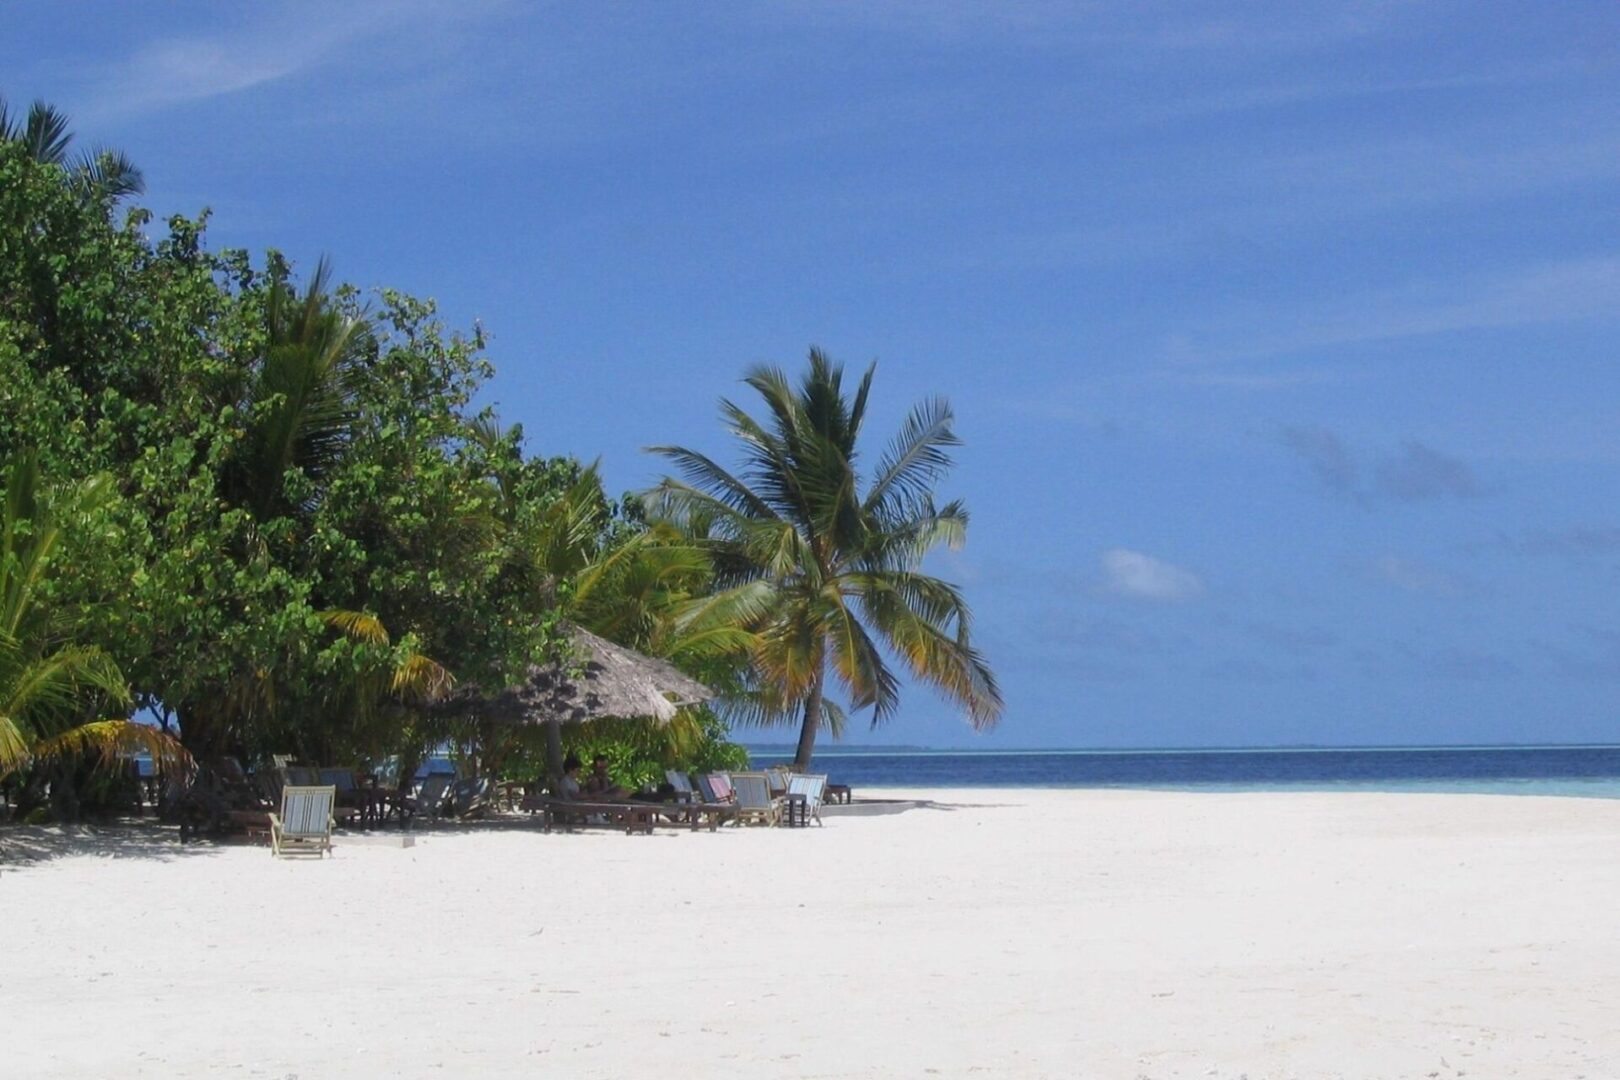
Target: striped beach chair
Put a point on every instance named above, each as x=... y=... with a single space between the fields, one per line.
x=755 y=803
x=304 y=826
x=814 y=789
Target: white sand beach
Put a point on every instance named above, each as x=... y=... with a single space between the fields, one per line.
x=992 y=934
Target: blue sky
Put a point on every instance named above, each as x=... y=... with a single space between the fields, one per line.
x=1281 y=336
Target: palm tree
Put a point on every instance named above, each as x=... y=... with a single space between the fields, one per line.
x=49 y=684
x=843 y=565
x=299 y=396
x=44 y=132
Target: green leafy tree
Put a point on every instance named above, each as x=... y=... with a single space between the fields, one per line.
x=841 y=559
x=55 y=691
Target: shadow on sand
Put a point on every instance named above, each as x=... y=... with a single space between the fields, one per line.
x=21 y=845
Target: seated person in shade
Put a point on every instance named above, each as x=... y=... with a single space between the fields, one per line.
x=568 y=788
x=599 y=785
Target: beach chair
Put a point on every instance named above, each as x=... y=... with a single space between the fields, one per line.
x=755 y=803
x=353 y=801
x=812 y=788
x=429 y=798
x=715 y=787
x=472 y=796
x=304 y=826
x=777 y=776
x=270 y=782
x=682 y=785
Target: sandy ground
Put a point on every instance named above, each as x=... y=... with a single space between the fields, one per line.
x=993 y=934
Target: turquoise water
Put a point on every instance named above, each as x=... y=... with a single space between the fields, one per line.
x=1585 y=771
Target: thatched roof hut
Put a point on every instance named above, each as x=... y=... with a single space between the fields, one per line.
x=599 y=680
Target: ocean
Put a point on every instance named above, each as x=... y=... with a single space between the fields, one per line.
x=1589 y=771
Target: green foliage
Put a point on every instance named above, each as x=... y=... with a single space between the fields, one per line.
x=280 y=453
x=53 y=689
x=638 y=753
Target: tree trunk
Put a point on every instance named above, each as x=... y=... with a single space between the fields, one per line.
x=812 y=723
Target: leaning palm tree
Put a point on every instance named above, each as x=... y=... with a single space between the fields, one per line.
x=842 y=559
x=48 y=683
x=44 y=132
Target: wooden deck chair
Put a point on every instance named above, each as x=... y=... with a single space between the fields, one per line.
x=304 y=826
x=755 y=803
x=814 y=789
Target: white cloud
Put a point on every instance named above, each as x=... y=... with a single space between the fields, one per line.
x=174 y=70
x=1415 y=576
x=1131 y=573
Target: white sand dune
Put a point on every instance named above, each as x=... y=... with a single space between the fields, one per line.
x=1000 y=934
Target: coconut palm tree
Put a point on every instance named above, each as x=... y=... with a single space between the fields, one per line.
x=44 y=131
x=48 y=684
x=299 y=396
x=842 y=558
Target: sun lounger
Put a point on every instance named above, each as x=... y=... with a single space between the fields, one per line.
x=304 y=826
x=810 y=790
x=755 y=803
x=631 y=816
x=569 y=814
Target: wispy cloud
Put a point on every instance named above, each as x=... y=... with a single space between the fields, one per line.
x=1577 y=540
x=1564 y=291
x=1422 y=472
x=1328 y=457
x=1415 y=576
x=1291 y=639
x=1134 y=574
x=1416 y=473
x=170 y=71
x=1136 y=32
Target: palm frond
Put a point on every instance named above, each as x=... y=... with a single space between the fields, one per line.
x=112 y=172
x=43 y=688
x=355 y=625
x=46 y=135
x=705 y=474
x=859 y=664
x=111 y=741
x=13 y=746
x=421 y=677
x=945 y=660
x=917 y=456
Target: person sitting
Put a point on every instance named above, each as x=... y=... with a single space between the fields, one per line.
x=568 y=787
x=599 y=785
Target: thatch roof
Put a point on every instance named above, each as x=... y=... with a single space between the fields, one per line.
x=600 y=680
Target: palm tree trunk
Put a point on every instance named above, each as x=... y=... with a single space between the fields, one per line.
x=812 y=722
